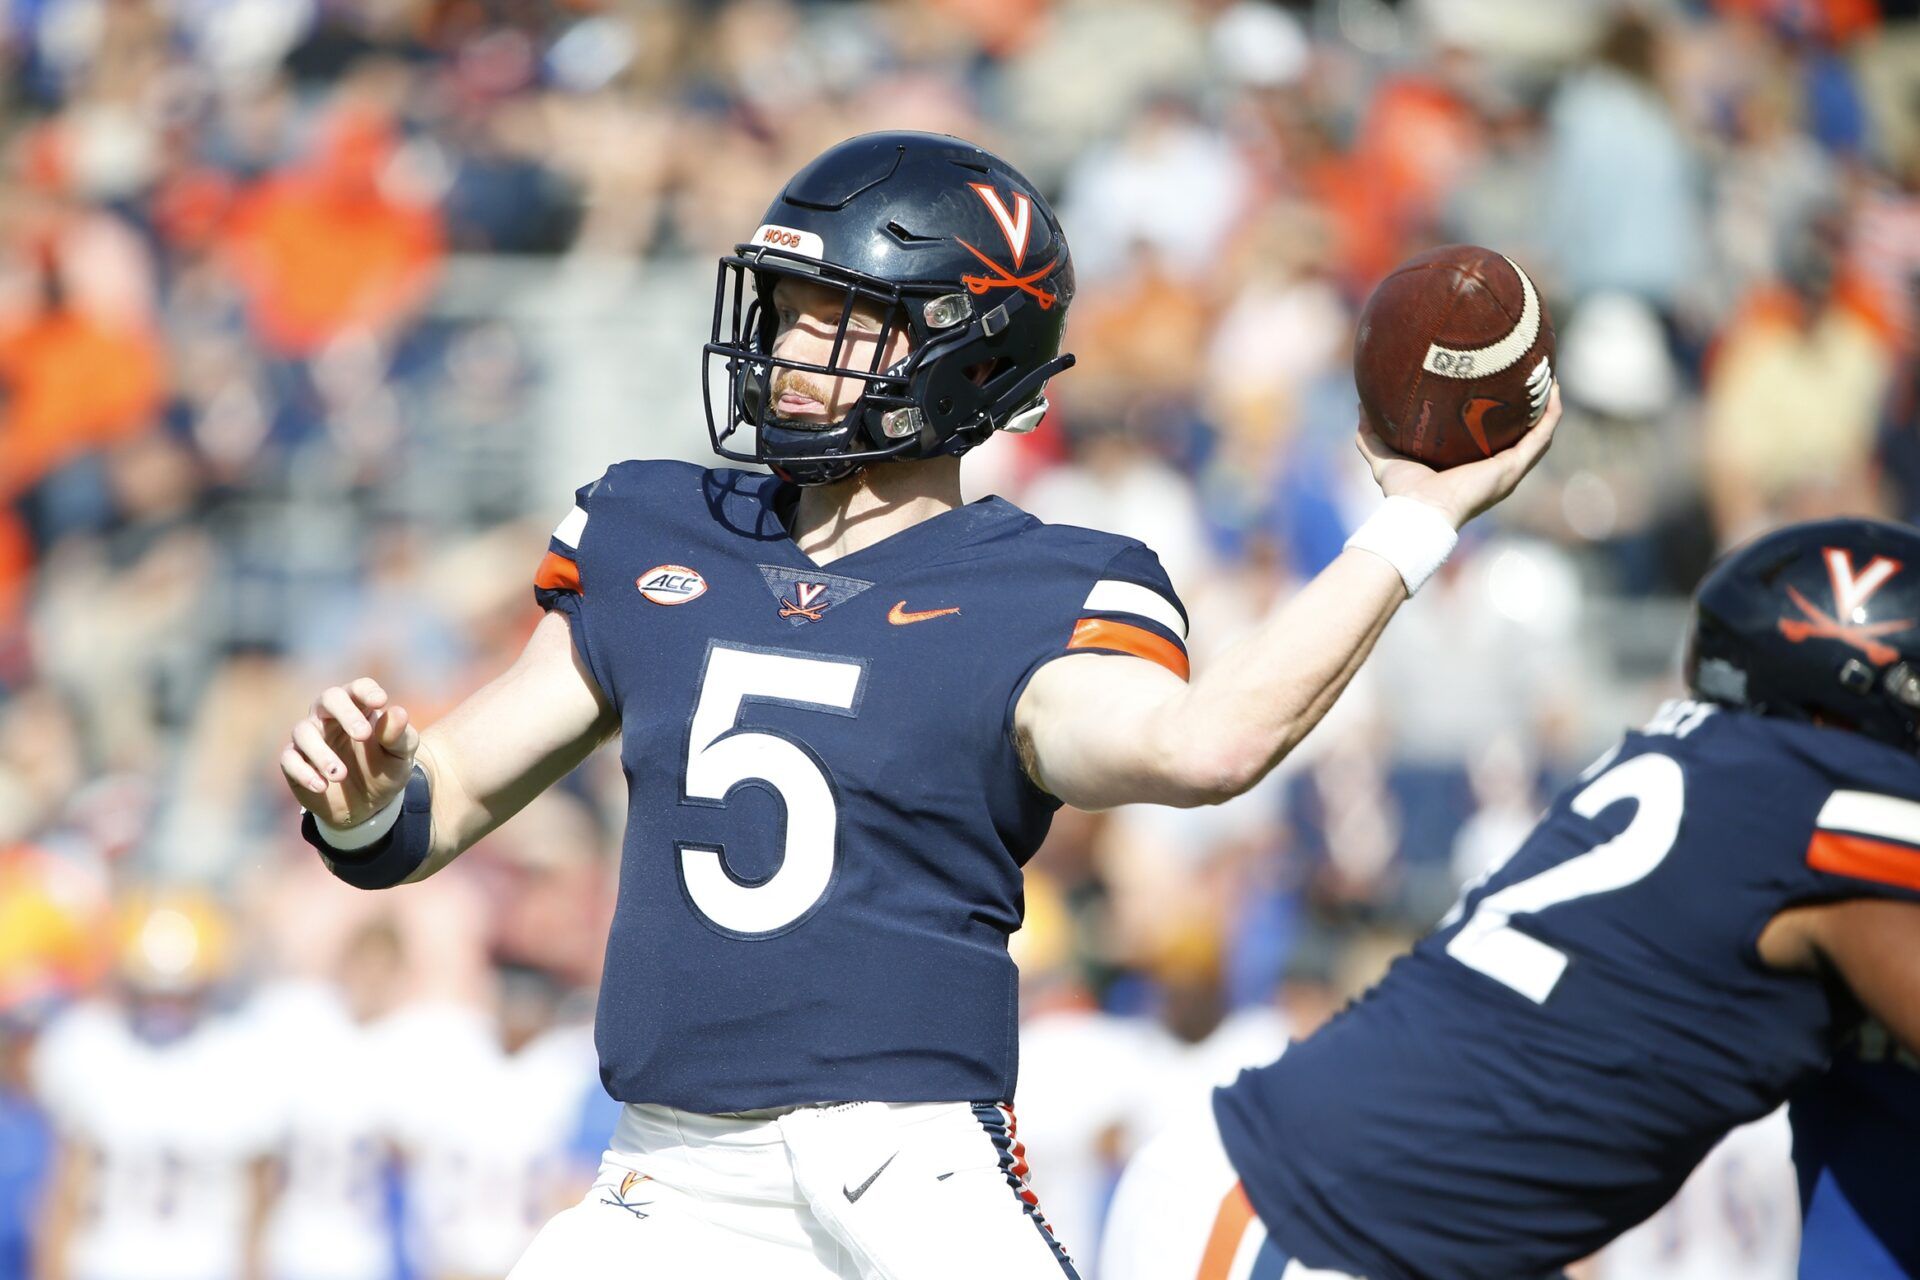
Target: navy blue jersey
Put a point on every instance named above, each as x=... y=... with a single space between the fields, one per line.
x=1856 y=1148
x=827 y=814
x=1542 y=1071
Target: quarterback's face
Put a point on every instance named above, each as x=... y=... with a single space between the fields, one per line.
x=807 y=317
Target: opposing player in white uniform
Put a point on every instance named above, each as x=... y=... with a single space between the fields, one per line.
x=1737 y=1215
x=485 y=1142
x=335 y=1112
x=848 y=706
x=164 y=1117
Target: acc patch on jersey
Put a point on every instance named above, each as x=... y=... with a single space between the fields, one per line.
x=671 y=584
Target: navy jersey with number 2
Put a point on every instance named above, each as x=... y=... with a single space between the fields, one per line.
x=1542 y=1071
x=827 y=814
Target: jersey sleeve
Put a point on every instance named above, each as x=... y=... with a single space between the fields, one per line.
x=1129 y=606
x=559 y=586
x=1132 y=608
x=1867 y=844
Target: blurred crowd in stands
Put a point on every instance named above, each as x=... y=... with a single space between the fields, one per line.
x=275 y=411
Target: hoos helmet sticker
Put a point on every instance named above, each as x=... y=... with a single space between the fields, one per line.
x=953 y=248
x=1816 y=621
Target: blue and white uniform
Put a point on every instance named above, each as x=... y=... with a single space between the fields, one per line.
x=1543 y=1071
x=827 y=822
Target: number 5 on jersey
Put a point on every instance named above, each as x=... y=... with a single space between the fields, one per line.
x=719 y=758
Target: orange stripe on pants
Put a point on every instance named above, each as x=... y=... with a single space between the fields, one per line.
x=1229 y=1226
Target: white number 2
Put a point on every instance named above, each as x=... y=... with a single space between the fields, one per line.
x=1488 y=943
x=719 y=759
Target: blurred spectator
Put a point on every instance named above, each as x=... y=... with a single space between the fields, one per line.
x=71 y=384
x=1794 y=395
x=1169 y=191
x=323 y=247
x=1622 y=202
x=1627 y=483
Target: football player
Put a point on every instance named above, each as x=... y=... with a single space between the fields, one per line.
x=848 y=705
x=1685 y=939
x=1856 y=1149
x=336 y=1110
x=165 y=1126
x=1736 y=1215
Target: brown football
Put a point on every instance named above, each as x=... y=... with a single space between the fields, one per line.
x=1454 y=359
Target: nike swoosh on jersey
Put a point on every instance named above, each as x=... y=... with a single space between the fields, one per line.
x=901 y=616
x=853 y=1195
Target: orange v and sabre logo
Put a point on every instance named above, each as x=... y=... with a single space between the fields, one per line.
x=808 y=605
x=1851 y=591
x=618 y=1199
x=901 y=616
x=1005 y=279
x=1016 y=225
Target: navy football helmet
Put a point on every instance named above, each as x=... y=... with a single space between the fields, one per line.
x=954 y=246
x=1817 y=621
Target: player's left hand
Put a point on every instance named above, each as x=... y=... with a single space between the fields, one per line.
x=1461 y=492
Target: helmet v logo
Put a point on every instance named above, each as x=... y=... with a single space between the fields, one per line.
x=1016 y=225
x=1851 y=591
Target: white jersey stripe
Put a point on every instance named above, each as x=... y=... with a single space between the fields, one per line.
x=570 y=529
x=1110 y=595
x=1869 y=813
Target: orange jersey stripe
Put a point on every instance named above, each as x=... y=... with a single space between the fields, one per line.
x=1865 y=859
x=1236 y=1211
x=1102 y=633
x=557 y=573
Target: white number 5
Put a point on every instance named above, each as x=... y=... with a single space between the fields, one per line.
x=1488 y=943
x=718 y=760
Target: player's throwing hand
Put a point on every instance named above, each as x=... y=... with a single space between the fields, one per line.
x=1461 y=492
x=351 y=754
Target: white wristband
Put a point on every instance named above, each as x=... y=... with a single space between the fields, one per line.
x=1410 y=535
x=364 y=832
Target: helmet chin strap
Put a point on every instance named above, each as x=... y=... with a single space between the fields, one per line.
x=804 y=438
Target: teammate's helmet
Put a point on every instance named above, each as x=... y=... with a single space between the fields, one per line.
x=956 y=247
x=1816 y=621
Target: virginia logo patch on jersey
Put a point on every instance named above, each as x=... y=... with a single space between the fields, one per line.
x=806 y=594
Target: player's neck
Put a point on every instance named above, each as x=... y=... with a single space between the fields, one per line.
x=835 y=520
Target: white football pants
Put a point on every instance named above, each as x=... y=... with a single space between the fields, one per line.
x=1180 y=1213
x=852 y=1191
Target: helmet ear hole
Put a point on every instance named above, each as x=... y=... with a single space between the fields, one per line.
x=985 y=371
